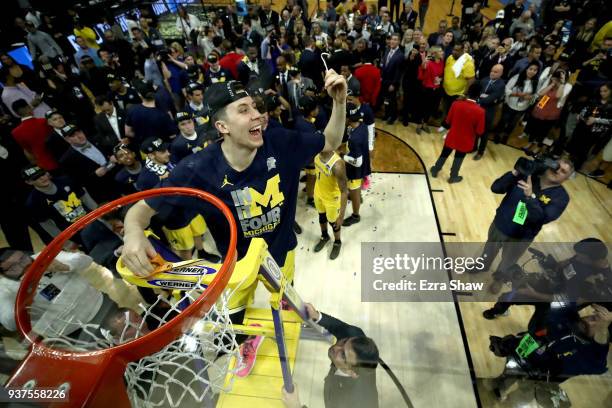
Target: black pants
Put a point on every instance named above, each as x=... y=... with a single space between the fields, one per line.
x=394 y=8
x=389 y=100
x=412 y=99
x=507 y=123
x=457 y=160
x=427 y=106
x=489 y=117
x=538 y=129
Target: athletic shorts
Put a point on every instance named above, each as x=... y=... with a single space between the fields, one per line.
x=182 y=239
x=331 y=208
x=354 y=184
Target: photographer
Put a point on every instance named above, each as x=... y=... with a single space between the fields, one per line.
x=576 y=282
x=534 y=196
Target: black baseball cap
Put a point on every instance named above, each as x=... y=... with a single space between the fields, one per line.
x=593 y=248
x=153 y=144
x=69 y=130
x=193 y=86
x=353 y=113
x=183 y=115
x=221 y=94
x=110 y=77
x=31 y=173
x=51 y=112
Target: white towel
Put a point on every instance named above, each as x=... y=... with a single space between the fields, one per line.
x=458 y=65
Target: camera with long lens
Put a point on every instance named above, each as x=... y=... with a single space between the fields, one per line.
x=536 y=166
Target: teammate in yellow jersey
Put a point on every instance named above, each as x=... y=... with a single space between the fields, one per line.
x=330 y=196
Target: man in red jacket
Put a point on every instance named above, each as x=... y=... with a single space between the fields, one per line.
x=31 y=135
x=370 y=79
x=467 y=122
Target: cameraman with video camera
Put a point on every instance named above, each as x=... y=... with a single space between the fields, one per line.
x=573 y=283
x=534 y=196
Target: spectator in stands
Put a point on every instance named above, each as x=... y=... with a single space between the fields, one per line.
x=466 y=120
x=492 y=94
x=520 y=94
x=13 y=92
x=31 y=135
x=147 y=120
x=391 y=68
x=41 y=44
x=89 y=165
x=85 y=50
x=436 y=38
x=55 y=143
x=122 y=95
x=109 y=124
x=128 y=174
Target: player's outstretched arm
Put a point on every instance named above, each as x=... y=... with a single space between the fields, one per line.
x=336 y=88
x=137 y=250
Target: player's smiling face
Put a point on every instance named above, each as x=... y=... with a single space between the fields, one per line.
x=243 y=122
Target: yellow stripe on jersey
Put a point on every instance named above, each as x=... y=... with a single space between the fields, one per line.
x=326 y=186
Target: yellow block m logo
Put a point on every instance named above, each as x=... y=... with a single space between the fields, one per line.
x=272 y=196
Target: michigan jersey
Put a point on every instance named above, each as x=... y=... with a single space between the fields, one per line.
x=326 y=186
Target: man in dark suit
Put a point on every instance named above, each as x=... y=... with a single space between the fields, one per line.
x=267 y=16
x=250 y=36
x=391 y=67
x=310 y=63
x=339 y=56
x=493 y=91
x=253 y=68
x=351 y=380
x=89 y=165
x=109 y=124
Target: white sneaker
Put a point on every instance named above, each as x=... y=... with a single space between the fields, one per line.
x=522 y=135
x=441 y=129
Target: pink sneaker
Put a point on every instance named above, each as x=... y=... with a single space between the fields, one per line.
x=366 y=183
x=248 y=353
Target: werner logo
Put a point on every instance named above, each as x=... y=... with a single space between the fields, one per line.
x=175 y=284
x=192 y=270
x=259 y=213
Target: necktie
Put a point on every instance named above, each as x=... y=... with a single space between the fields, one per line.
x=389 y=56
x=284 y=83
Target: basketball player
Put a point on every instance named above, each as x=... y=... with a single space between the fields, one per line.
x=255 y=173
x=189 y=140
x=357 y=160
x=128 y=175
x=330 y=196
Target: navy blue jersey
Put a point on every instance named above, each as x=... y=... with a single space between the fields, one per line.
x=150 y=122
x=358 y=147
x=152 y=173
x=182 y=147
x=262 y=197
x=127 y=180
x=130 y=98
x=64 y=207
x=223 y=75
x=368 y=114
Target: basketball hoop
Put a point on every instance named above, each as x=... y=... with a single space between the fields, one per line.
x=121 y=370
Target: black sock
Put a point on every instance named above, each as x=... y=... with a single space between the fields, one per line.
x=337 y=241
x=325 y=235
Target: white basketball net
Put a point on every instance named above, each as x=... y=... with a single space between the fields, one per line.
x=191 y=370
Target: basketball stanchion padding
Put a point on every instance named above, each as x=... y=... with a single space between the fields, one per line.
x=136 y=366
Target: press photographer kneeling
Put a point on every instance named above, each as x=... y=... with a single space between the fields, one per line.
x=534 y=196
x=573 y=283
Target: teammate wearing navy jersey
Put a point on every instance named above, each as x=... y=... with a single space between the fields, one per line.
x=188 y=141
x=255 y=173
x=216 y=73
x=128 y=175
x=357 y=160
x=368 y=114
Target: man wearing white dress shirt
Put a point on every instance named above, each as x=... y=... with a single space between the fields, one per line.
x=109 y=124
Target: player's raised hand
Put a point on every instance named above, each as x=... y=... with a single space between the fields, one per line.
x=313 y=314
x=136 y=254
x=336 y=86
